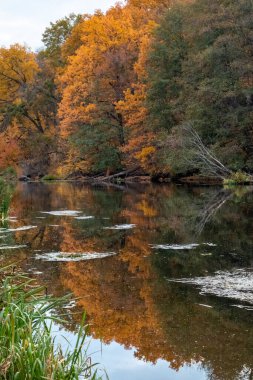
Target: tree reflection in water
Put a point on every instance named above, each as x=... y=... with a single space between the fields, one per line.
x=127 y=297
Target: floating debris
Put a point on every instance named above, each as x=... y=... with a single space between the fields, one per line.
x=246 y=307
x=4 y=247
x=237 y=284
x=202 y=304
x=62 y=213
x=12 y=219
x=121 y=227
x=84 y=217
x=34 y=271
x=70 y=305
x=24 y=228
x=68 y=257
x=179 y=247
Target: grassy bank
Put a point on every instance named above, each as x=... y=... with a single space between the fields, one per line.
x=27 y=347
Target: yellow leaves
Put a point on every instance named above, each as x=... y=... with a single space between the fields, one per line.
x=145 y=153
x=133 y=106
x=17 y=67
x=99 y=72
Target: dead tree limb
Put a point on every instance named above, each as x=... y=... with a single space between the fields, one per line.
x=203 y=155
x=122 y=174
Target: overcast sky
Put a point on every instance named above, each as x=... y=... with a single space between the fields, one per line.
x=24 y=21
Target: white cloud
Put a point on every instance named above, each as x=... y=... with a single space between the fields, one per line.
x=24 y=21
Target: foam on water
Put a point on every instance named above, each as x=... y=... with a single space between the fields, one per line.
x=62 y=213
x=237 y=284
x=75 y=256
x=121 y=227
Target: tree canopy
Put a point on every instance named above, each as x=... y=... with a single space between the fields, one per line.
x=131 y=87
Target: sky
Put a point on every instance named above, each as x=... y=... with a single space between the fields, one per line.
x=24 y=21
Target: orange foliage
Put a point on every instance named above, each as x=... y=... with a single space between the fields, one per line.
x=10 y=151
x=102 y=83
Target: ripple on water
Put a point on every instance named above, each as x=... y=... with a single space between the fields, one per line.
x=68 y=256
x=237 y=284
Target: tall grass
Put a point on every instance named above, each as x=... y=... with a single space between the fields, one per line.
x=27 y=348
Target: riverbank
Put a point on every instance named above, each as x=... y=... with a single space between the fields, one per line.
x=195 y=180
x=136 y=175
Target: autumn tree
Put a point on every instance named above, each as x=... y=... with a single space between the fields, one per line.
x=139 y=146
x=27 y=102
x=93 y=83
x=96 y=80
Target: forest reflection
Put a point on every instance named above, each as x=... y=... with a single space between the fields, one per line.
x=127 y=297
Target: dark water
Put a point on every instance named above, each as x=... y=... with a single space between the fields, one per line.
x=144 y=324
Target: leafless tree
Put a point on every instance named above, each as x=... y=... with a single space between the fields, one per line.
x=209 y=163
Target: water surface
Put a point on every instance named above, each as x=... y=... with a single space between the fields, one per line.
x=163 y=272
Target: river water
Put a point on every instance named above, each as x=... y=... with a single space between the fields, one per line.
x=164 y=273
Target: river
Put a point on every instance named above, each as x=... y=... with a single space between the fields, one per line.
x=164 y=273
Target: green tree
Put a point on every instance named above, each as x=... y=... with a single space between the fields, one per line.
x=200 y=72
x=56 y=35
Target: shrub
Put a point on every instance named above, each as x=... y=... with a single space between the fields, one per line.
x=9 y=172
x=237 y=178
x=50 y=177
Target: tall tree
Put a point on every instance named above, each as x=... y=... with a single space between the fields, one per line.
x=27 y=102
x=56 y=35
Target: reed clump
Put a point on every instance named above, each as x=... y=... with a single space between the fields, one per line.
x=27 y=347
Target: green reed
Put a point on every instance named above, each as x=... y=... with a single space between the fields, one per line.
x=27 y=348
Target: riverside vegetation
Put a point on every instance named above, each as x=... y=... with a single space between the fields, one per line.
x=28 y=350
x=159 y=88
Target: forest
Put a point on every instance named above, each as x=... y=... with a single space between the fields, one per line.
x=155 y=88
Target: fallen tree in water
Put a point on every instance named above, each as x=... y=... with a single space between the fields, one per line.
x=117 y=176
x=124 y=175
x=203 y=158
x=210 y=167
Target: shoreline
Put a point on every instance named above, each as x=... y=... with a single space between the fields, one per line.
x=188 y=181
